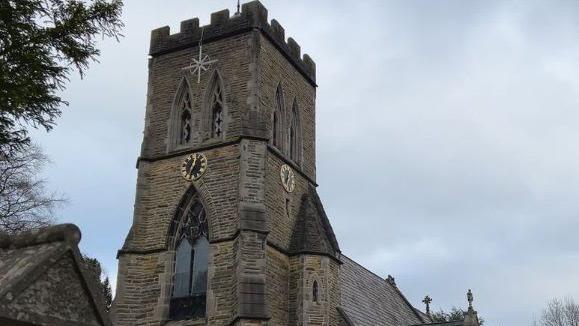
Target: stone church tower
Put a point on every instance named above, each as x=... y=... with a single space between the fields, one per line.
x=228 y=228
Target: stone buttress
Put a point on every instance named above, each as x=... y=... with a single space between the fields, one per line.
x=273 y=258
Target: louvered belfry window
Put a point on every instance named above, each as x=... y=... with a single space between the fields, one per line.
x=191 y=260
x=294 y=135
x=315 y=292
x=278 y=110
x=216 y=111
x=185 y=125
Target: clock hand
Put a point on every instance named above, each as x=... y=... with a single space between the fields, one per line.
x=190 y=166
x=193 y=164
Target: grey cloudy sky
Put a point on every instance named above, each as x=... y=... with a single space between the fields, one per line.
x=446 y=135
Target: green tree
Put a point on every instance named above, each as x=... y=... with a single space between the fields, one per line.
x=455 y=314
x=100 y=278
x=41 y=42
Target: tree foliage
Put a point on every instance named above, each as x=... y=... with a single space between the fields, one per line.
x=560 y=313
x=41 y=41
x=24 y=201
x=100 y=279
x=455 y=314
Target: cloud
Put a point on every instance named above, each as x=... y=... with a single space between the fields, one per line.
x=445 y=138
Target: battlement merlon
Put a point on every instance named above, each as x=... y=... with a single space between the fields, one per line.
x=253 y=16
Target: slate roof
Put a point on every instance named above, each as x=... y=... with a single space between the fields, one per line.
x=369 y=300
x=448 y=323
x=43 y=281
x=312 y=233
x=426 y=318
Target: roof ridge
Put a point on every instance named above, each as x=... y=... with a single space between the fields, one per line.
x=365 y=268
x=57 y=233
x=389 y=284
x=311 y=232
x=324 y=220
x=59 y=241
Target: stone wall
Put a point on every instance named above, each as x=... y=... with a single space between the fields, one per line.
x=305 y=269
x=253 y=278
x=278 y=267
x=276 y=69
x=166 y=75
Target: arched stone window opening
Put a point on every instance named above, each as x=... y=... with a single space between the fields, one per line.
x=315 y=294
x=277 y=129
x=217 y=113
x=189 y=292
x=185 y=129
x=215 y=110
x=295 y=135
x=181 y=121
x=292 y=137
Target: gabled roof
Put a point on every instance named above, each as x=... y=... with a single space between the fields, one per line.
x=43 y=281
x=426 y=318
x=444 y=323
x=369 y=300
x=312 y=233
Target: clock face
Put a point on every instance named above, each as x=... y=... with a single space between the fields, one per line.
x=194 y=166
x=287 y=178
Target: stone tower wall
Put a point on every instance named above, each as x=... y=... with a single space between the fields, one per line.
x=145 y=264
x=305 y=269
x=250 y=266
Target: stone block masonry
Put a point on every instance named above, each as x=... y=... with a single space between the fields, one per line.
x=253 y=278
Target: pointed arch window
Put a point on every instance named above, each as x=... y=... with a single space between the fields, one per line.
x=181 y=121
x=217 y=113
x=315 y=293
x=294 y=134
x=277 y=129
x=216 y=107
x=185 y=120
x=189 y=292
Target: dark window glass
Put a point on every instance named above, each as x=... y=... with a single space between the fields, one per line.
x=275 y=130
x=185 y=125
x=315 y=291
x=217 y=112
x=183 y=260
x=277 y=118
x=294 y=137
x=190 y=273
x=201 y=249
x=292 y=142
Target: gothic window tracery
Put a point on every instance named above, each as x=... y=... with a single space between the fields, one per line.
x=181 y=124
x=191 y=263
x=294 y=134
x=217 y=112
x=185 y=125
x=278 y=119
x=216 y=105
x=315 y=292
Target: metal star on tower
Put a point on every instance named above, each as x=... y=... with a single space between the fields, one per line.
x=200 y=64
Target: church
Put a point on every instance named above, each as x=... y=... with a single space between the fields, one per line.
x=228 y=228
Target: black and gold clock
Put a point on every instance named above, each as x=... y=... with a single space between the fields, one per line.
x=194 y=166
x=287 y=178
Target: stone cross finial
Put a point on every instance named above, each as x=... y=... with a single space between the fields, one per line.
x=469 y=297
x=427 y=300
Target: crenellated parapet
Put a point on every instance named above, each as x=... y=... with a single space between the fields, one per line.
x=253 y=16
